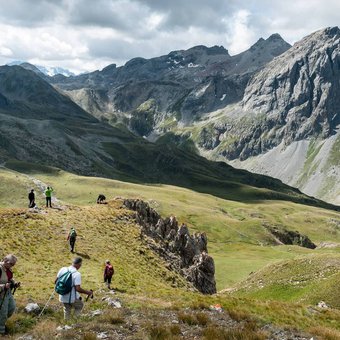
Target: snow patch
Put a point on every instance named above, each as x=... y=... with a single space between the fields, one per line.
x=200 y=92
x=193 y=65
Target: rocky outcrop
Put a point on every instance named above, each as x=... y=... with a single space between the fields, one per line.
x=185 y=253
x=284 y=236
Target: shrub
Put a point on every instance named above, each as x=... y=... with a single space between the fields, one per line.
x=187 y=318
x=325 y=333
x=217 y=333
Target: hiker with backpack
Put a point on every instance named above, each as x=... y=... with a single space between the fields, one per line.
x=108 y=273
x=7 y=284
x=48 y=196
x=72 y=235
x=68 y=286
x=31 y=198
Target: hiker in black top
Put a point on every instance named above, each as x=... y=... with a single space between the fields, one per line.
x=31 y=197
x=101 y=199
x=72 y=235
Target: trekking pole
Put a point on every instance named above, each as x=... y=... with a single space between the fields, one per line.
x=3 y=299
x=48 y=301
x=89 y=295
x=87 y=300
x=15 y=287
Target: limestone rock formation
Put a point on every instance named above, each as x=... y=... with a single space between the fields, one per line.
x=187 y=254
x=285 y=236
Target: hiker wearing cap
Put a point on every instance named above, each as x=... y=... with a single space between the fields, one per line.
x=31 y=198
x=108 y=273
x=7 y=303
x=48 y=195
x=72 y=235
x=73 y=300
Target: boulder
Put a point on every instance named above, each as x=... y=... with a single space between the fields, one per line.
x=32 y=308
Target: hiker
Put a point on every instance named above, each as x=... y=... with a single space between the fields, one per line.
x=73 y=299
x=72 y=235
x=31 y=198
x=108 y=273
x=101 y=199
x=7 y=303
x=48 y=195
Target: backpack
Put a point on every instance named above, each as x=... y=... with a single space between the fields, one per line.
x=64 y=283
x=73 y=233
x=109 y=270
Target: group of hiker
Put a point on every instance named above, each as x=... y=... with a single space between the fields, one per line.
x=67 y=282
x=67 y=285
x=48 y=197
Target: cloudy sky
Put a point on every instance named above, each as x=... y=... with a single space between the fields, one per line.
x=84 y=35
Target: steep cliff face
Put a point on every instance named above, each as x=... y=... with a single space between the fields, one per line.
x=300 y=89
x=296 y=96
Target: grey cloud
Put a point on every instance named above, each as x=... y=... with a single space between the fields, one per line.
x=131 y=15
x=29 y=13
x=199 y=13
x=115 y=49
x=120 y=14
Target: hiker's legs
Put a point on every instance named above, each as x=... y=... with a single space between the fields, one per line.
x=78 y=307
x=3 y=312
x=11 y=305
x=67 y=311
x=72 y=242
x=48 y=202
x=109 y=278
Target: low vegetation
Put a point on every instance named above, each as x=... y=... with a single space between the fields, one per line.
x=157 y=303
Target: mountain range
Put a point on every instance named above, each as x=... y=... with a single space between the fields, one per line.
x=273 y=109
x=46 y=70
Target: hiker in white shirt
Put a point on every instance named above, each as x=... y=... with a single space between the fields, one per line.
x=73 y=299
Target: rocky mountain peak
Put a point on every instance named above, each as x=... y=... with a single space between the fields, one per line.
x=276 y=37
x=274 y=42
x=214 y=50
x=298 y=90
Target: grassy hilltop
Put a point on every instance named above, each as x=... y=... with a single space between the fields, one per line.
x=249 y=265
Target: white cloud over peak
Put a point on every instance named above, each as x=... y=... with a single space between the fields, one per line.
x=84 y=35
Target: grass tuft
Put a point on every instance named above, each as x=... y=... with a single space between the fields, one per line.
x=112 y=317
x=162 y=332
x=325 y=333
x=214 y=332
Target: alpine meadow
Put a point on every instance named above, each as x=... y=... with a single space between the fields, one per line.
x=208 y=182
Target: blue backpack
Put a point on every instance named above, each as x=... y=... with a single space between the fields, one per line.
x=64 y=283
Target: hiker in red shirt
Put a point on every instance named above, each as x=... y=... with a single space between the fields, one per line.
x=108 y=273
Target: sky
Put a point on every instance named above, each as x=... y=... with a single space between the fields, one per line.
x=85 y=35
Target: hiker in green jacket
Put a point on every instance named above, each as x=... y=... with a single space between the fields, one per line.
x=48 y=195
x=72 y=235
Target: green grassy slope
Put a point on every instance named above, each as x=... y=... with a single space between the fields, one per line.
x=312 y=278
x=236 y=240
x=39 y=240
